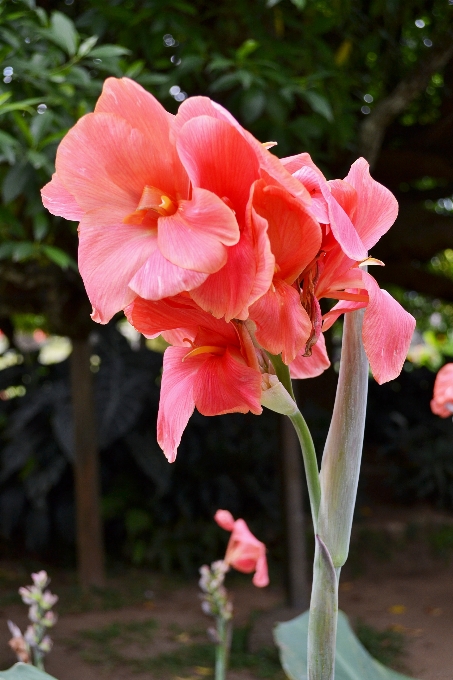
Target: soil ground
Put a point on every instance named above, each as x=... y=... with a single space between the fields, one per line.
x=143 y=625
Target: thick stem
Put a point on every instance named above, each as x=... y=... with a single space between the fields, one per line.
x=339 y=478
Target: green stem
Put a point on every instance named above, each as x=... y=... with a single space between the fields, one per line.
x=222 y=649
x=305 y=439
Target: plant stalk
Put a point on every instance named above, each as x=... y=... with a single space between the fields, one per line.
x=222 y=647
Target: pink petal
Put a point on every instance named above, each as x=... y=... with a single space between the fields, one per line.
x=294 y=235
x=59 y=201
x=261 y=577
x=377 y=208
x=224 y=519
x=103 y=161
x=218 y=158
x=225 y=384
x=387 y=332
x=227 y=292
x=311 y=367
x=158 y=278
x=110 y=253
x=282 y=324
x=340 y=308
x=176 y=399
x=196 y=236
x=442 y=401
x=127 y=99
x=153 y=317
x=264 y=259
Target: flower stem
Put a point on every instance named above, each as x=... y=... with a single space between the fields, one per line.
x=222 y=648
x=305 y=439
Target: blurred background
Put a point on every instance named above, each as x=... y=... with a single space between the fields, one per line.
x=336 y=78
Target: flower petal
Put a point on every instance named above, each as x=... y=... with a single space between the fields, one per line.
x=218 y=158
x=225 y=384
x=110 y=253
x=442 y=401
x=282 y=324
x=311 y=367
x=59 y=201
x=377 y=208
x=224 y=519
x=176 y=398
x=261 y=577
x=158 y=278
x=130 y=101
x=294 y=235
x=387 y=332
x=196 y=235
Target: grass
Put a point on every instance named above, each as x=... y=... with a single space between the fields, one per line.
x=106 y=646
x=387 y=646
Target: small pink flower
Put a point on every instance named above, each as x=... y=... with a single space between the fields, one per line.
x=442 y=401
x=244 y=552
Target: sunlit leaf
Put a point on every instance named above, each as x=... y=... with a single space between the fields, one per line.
x=63 y=33
x=108 y=51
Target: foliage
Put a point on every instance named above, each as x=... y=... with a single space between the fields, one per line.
x=352 y=659
x=23 y=671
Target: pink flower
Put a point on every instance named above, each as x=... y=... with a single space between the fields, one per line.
x=370 y=209
x=442 y=401
x=144 y=229
x=244 y=552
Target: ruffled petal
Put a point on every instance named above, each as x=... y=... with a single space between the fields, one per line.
x=110 y=253
x=196 y=235
x=377 y=208
x=225 y=384
x=59 y=201
x=176 y=398
x=387 y=332
x=218 y=158
x=311 y=367
x=158 y=278
x=282 y=324
x=130 y=101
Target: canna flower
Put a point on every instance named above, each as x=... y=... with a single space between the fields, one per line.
x=442 y=401
x=244 y=552
x=144 y=228
x=371 y=209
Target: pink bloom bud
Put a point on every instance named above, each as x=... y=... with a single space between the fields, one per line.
x=41 y=580
x=442 y=401
x=244 y=552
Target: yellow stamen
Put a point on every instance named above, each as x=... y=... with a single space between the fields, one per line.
x=205 y=349
x=167 y=207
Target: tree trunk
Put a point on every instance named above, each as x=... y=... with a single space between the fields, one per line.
x=292 y=484
x=90 y=550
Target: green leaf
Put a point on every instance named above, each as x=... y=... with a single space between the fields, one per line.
x=300 y=4
x=63 y=33
x=24 y=105
x=23 y=671
x=352 y=662
x=15 y=181
x=246 y=48
x=319 y=104
x=4 y=97
x=59 y=257
x=108 y=51
x=252 y=105
x=87 y=45
x=272 y=3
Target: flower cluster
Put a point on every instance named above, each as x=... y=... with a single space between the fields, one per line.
x=199 y=233
x=35 y=643
x=442 y=401
x=215 y=600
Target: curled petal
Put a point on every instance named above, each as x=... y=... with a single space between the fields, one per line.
x=261 y=575
x=158 y=278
